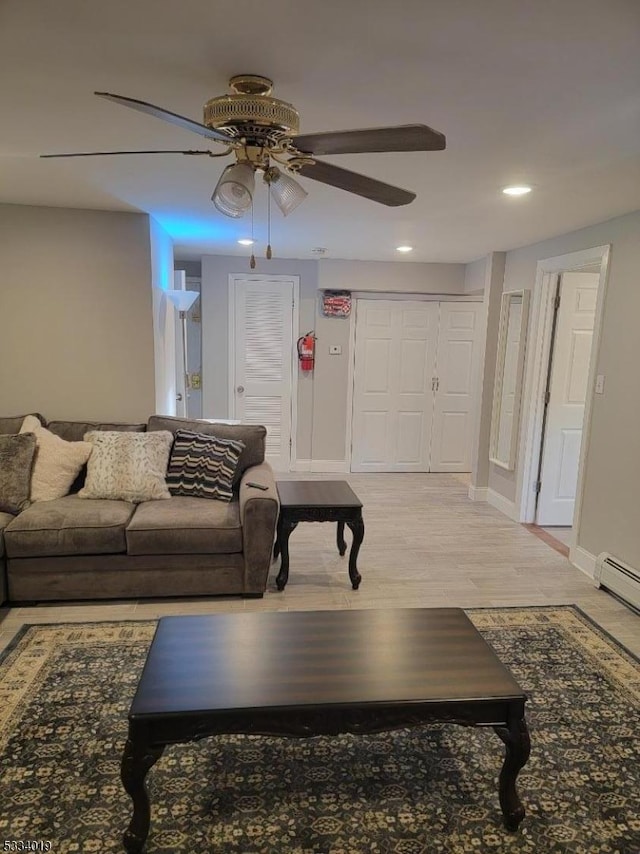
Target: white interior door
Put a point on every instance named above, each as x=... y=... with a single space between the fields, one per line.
x=262 y=322
x=392 y=399
x=567 y=393
x=455 y=393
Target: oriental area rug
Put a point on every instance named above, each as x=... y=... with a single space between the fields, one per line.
x=65 y=692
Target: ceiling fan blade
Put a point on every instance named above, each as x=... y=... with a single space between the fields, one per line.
x=352 y=182
x=167 y=116
x=109 y=153
x=402 y=138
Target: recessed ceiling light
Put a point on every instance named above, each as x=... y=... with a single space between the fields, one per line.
x=246 y=241
x=521 y=190
x=404 y=248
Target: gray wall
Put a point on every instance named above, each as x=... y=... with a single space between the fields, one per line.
x=486 y=277
x=475 y=277
x=76 y=333
x=323 y=394
x=191 y=268
x=612 y=473
x=392 y=276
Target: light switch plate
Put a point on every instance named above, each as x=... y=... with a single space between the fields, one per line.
x=600 y=384
x=335 y=350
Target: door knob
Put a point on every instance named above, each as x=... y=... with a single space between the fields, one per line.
x=240 y=389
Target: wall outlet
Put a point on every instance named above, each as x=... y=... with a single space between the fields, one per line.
x=600 y=384
x=335 y=350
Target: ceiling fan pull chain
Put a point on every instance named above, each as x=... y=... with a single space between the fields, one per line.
x=252 y=262
x=269 y=225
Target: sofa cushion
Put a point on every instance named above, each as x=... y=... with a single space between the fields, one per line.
x=17 y=453
x=5 y=518
x=185 y=525
x=252 y=435
x=57 y=462
x=73 y=431
x=69 y=526
x=203 y=466
x=13 y=423
x=127 y=466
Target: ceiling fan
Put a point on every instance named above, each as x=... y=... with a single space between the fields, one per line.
x=262 y=132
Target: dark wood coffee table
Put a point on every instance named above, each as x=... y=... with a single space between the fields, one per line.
x=318 y=673
x=318 y=501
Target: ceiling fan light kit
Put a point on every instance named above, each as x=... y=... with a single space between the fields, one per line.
x=262 y=131
x=286 y=192
x=233 y=195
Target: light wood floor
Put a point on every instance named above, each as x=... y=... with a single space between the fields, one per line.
x=426 y=545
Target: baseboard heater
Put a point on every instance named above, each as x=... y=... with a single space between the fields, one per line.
x=619 y=578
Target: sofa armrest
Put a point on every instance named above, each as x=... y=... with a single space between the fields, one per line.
x=258 y=515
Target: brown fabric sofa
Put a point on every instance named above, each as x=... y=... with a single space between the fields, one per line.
x=75 y=548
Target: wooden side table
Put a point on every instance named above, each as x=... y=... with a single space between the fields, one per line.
x=318 y=501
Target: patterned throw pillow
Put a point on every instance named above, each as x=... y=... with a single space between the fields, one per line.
x=127 y=466
x=57 y=463
x=203 y=466
x=17 y=452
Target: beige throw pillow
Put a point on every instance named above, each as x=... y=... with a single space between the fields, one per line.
x=127 y=466
x=57 y=462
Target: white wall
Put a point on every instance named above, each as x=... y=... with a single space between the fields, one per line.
x=612 y=468
x=76 y=330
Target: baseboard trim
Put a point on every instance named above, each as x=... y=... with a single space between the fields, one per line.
x=509 y=508
x=478 y=493
x=327 y=466
x=583 y=560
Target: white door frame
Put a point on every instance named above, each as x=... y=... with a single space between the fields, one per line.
x=538 y=365
x=295 y=281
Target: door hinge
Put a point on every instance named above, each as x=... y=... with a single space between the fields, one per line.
x=547 y=398
x=290 y=443
x=538 y=487
x=557 y=301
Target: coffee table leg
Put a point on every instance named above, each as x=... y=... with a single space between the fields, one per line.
x=137 y=760
x=342 y=546
x=357 y=529
x=284 y=532
x=516 y=739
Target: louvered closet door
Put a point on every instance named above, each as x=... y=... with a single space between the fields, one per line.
x=263 y=327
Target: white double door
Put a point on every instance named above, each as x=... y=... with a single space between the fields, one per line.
x=262 y=324
x=415 y=365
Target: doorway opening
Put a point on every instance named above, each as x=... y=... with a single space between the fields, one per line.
x=562 y=382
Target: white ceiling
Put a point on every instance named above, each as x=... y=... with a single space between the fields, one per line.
x=535 y=91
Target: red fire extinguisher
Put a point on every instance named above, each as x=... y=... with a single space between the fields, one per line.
x=306 y=351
